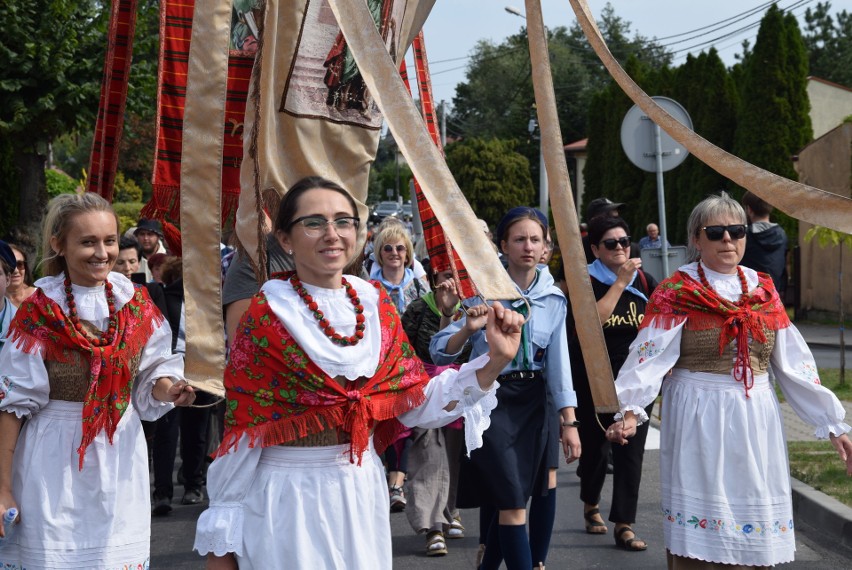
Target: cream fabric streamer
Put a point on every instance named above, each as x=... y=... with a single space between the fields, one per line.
x=430 y=169
x=201 y=186
x=583 y=301
x=798 y=200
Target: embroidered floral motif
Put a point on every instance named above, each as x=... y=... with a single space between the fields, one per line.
x=648 y=350
x=728 y=526
x=6 y=386
x=809 y=373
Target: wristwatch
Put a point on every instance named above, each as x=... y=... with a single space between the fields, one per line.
x=574 y=424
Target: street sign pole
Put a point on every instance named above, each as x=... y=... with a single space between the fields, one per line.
x=661 y=199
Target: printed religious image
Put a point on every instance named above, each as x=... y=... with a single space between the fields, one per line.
x=244 y=26
x=325 y=81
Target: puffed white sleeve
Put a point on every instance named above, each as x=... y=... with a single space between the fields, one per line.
x=157 y=361
x=219 y=529
x=472 y=402
x=24 y=386
x=796 y=373
x=652 y=354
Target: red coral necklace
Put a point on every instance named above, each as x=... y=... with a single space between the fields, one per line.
x=106 y=337
x=740 y=274
x=326 y=327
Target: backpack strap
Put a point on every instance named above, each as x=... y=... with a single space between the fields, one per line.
x=644 y=281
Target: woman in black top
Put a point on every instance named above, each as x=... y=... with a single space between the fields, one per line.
x=622 y=290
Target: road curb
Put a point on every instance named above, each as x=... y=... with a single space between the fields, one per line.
x=826 y=514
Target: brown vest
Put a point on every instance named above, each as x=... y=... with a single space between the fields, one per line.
x=69 y=381
x=699 y=352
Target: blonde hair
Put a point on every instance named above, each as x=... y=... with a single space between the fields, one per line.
x=393 y=233
x=57 y=222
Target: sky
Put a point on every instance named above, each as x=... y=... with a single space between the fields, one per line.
x=454 y=27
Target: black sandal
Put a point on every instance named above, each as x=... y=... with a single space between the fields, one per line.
x=630 y=543
x=594 y=526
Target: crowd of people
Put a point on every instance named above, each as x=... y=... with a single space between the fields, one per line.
x=359 y=383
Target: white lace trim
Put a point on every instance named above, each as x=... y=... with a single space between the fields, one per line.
x=91 y=301
x=837 y=429
x=638 y=411
x=220 y=530
x=477 y=418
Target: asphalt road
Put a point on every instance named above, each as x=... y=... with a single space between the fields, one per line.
x=829 y=357
x=571 y=547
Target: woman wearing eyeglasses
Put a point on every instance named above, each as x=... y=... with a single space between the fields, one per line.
x=713 y=329
x=319 y=380
x=21 y=284
x=621 y=289
x=393 y=269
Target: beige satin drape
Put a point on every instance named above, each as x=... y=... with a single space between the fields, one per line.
x=798 y=200
x=583 y=301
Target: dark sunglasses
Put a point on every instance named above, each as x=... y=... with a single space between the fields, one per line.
x=715 y=233
x=611 y=243
x=22 y=265
x=388 y=248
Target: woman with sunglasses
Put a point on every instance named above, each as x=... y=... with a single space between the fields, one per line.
x=319 y=380
x=394 y=270
x=712 y=330
x=21 y=284
x=516 y=464
x=621 y=289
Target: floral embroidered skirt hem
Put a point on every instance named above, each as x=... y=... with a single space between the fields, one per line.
x=725 y=481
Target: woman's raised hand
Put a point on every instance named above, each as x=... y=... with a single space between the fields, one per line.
x=477 y=317
x=503 y=332
x=446 y=296
x=628 y=268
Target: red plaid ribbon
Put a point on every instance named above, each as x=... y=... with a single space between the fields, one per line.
x=441 y=254
x=104 y=159
x=175 y=33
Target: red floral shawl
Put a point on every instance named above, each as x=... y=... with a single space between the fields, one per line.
x=41 y=327
x=276 y=394
x=681 y=298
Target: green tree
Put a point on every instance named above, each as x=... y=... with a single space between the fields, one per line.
x=59 y=183
x=496 y=99
x=51 y=55
x=706 y=90
x=492 y=175
x=774 y=122
x=829 y=43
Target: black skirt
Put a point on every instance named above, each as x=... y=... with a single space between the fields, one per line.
x=512 y=463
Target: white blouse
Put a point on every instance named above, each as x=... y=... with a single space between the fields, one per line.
x=655 y=351
x=23 y=376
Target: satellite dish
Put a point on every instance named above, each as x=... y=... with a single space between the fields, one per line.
x=638 y=134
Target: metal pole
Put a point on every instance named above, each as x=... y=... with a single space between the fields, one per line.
x=542 y=181
x=443 y=123
x=661 y=201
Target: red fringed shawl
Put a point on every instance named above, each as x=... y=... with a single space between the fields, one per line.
x=276 y=394
x=41 y=327
x=681 y=298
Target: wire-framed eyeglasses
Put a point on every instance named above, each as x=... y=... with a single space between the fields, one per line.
x=315 y=226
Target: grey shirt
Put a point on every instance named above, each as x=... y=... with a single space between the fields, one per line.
x=240 y=280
